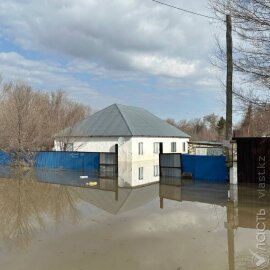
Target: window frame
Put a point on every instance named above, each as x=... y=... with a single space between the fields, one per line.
x=173 y=147
x=140 y=148
x=184 y=147
x=156 y=147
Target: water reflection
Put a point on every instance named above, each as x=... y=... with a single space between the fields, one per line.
x=244 y=210
x=246 y=207
x=25 y=204
x=29 y=205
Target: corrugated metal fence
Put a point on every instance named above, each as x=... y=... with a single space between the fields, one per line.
x=77 y=161
x=68 y=161
x=203 y=168
x=209 y=168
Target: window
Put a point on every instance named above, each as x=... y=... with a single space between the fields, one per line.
x=173 y=147
x=184 y=147
x=156 y=170
x=156 y=147
x=140 y=148
x=140 y=173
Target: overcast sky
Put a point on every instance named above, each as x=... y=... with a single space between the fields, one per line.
x=100 y=52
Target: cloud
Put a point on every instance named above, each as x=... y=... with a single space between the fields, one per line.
x=14 y=66
x=115 y=34
x=127 y=51
x=165 y=66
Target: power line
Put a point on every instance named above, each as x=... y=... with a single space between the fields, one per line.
x=185 y=10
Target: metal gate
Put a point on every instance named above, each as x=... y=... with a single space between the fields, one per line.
x=253 y=160
x=108 y=166
x=202 y=168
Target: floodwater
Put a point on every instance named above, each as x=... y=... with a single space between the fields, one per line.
x=185 y=225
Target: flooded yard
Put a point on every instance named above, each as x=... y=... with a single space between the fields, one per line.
x=184 y=225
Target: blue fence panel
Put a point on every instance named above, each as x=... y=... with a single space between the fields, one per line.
x=5 y=159
x=68 y=161
x=209 y=168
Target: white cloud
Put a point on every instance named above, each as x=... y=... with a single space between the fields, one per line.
x=104 y=51
x=165 y=66
x=14 y=66
x=113 y=34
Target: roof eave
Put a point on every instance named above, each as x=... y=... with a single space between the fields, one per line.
x=102 y=136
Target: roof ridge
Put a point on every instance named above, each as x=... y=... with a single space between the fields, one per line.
x=116 y=105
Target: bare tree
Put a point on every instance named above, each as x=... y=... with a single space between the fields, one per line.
x=29 y=119
x=255 y=122
x=207 y=128
x=251 y=28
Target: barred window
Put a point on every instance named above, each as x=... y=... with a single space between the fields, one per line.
x=156 y=147
x=173 y=147
x=140 y=148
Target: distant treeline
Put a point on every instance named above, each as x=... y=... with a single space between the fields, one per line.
x=29 y=119
x=255 y=123
x=210 y=127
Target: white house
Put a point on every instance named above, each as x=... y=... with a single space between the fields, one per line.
x=137 y=132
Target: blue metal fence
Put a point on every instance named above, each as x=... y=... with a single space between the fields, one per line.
x=209 y=168
x=68 y=161
x=77 y=161
x=5 y=158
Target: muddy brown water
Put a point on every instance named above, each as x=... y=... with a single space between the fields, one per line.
x=188 y=226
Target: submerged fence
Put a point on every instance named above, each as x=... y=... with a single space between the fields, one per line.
x=5 y=158
x=76 y=161
x=203 y=168
x=170 y=169
x=68 y=160
x=210 y=168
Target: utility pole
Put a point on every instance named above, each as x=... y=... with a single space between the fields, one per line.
x=229 y=78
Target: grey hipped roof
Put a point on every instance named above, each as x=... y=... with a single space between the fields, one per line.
x=122 y=121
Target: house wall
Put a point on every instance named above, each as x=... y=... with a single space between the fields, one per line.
x=128 y=146
x=90 y=144
x=148 y=147
x=128 y=155
x=128 y=173
x=130 y=161
x=148 y=173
